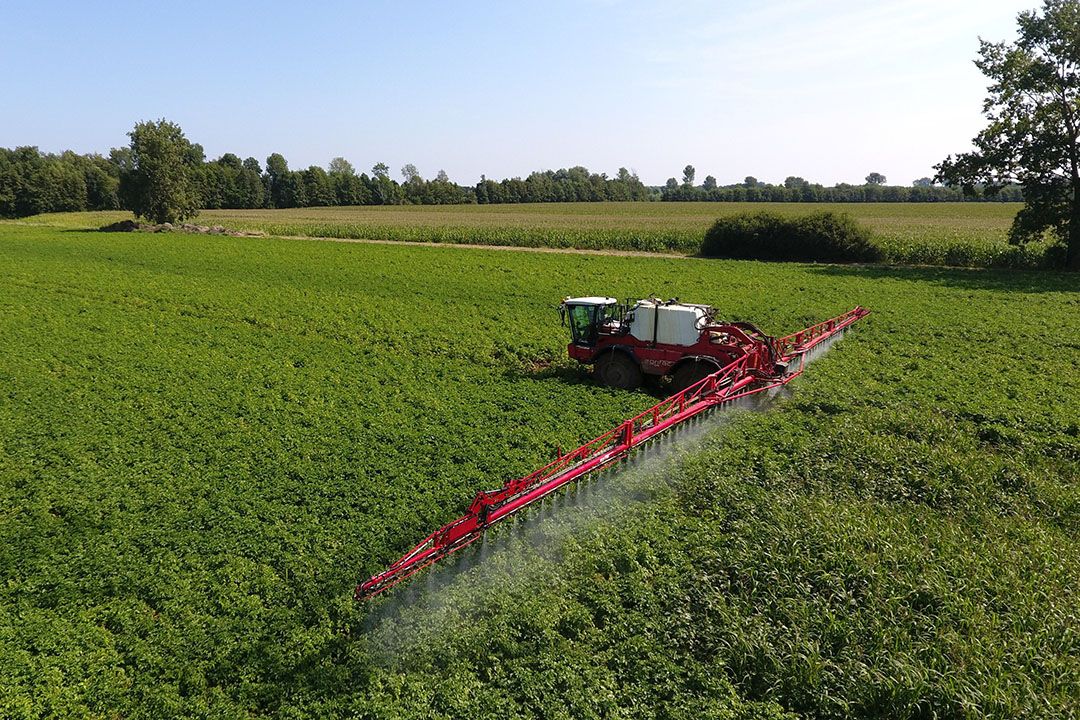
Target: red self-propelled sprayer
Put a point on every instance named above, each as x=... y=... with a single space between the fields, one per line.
x=711 y=365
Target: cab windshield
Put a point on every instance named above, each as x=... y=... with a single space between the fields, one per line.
x=585 y=321
x=583 y=324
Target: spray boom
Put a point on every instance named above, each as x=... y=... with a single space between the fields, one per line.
x=738 y=379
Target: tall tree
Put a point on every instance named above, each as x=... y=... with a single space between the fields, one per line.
x=1033 y=136
x=230 y=161
x=280 y=190
x=341 y=166
x=318 y=190
x=688 y=175
x=159 y=185
x=875 y=178
x=411 y=174
x=348 y=189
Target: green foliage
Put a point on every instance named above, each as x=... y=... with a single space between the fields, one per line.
x=574 y=184
x=815 y=237
x=967 y=235
x=796 y=189
x=160 y=184
x=33 y=182
x=317 y=188
x=229 y=183
x=205 y=444
x=33 y=187
x=1033 y=137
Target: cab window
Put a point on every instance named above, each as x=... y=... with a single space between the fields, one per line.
x=582 y=326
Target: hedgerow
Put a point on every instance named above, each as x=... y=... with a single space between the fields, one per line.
x=818 y=237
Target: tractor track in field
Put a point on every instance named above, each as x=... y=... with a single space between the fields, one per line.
x=259 y=234
x=481 y=246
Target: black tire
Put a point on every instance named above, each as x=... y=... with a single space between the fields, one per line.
x=689 y=373
x=617 y=370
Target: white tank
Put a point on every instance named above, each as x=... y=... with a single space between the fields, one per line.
x=673 y=324
x=641 y=325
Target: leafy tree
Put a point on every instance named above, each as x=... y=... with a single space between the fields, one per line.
x=710 y=183
x=488 y=191
x=159 y=185
x=61 y=184
x=231 y=161
x=381 y=188
x=102 y=184
x=229 y=183
x=411 y=174
x=341 y=166
x=250 y=190
x=794 y=182
x=875 y=178
x=122 y=159
x=442 y=177
x=285 y=188
x=348 y=189
x=317 y=189
x=1033 y=136
x=277 y=169
x=671 y=184
x=688 y=175
x=213 y=185
x=277 y=166
x=750 y=181
x=923 y=182
x=33 y=182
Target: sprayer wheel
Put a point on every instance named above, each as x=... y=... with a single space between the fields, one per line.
x=616 y=370
x=690 y=373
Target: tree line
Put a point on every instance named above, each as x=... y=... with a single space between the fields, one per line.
x=33 y=182
x=797 y=189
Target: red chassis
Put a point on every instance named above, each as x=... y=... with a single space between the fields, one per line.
x=715 y=349
x=626 y=343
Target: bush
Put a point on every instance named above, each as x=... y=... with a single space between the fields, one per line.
x=815 y=237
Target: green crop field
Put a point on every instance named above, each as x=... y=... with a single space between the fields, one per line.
x=206 y=441
x=960 y=234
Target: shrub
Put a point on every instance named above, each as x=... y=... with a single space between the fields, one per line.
x=815 y=237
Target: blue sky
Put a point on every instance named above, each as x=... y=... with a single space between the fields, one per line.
x=823 y=89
